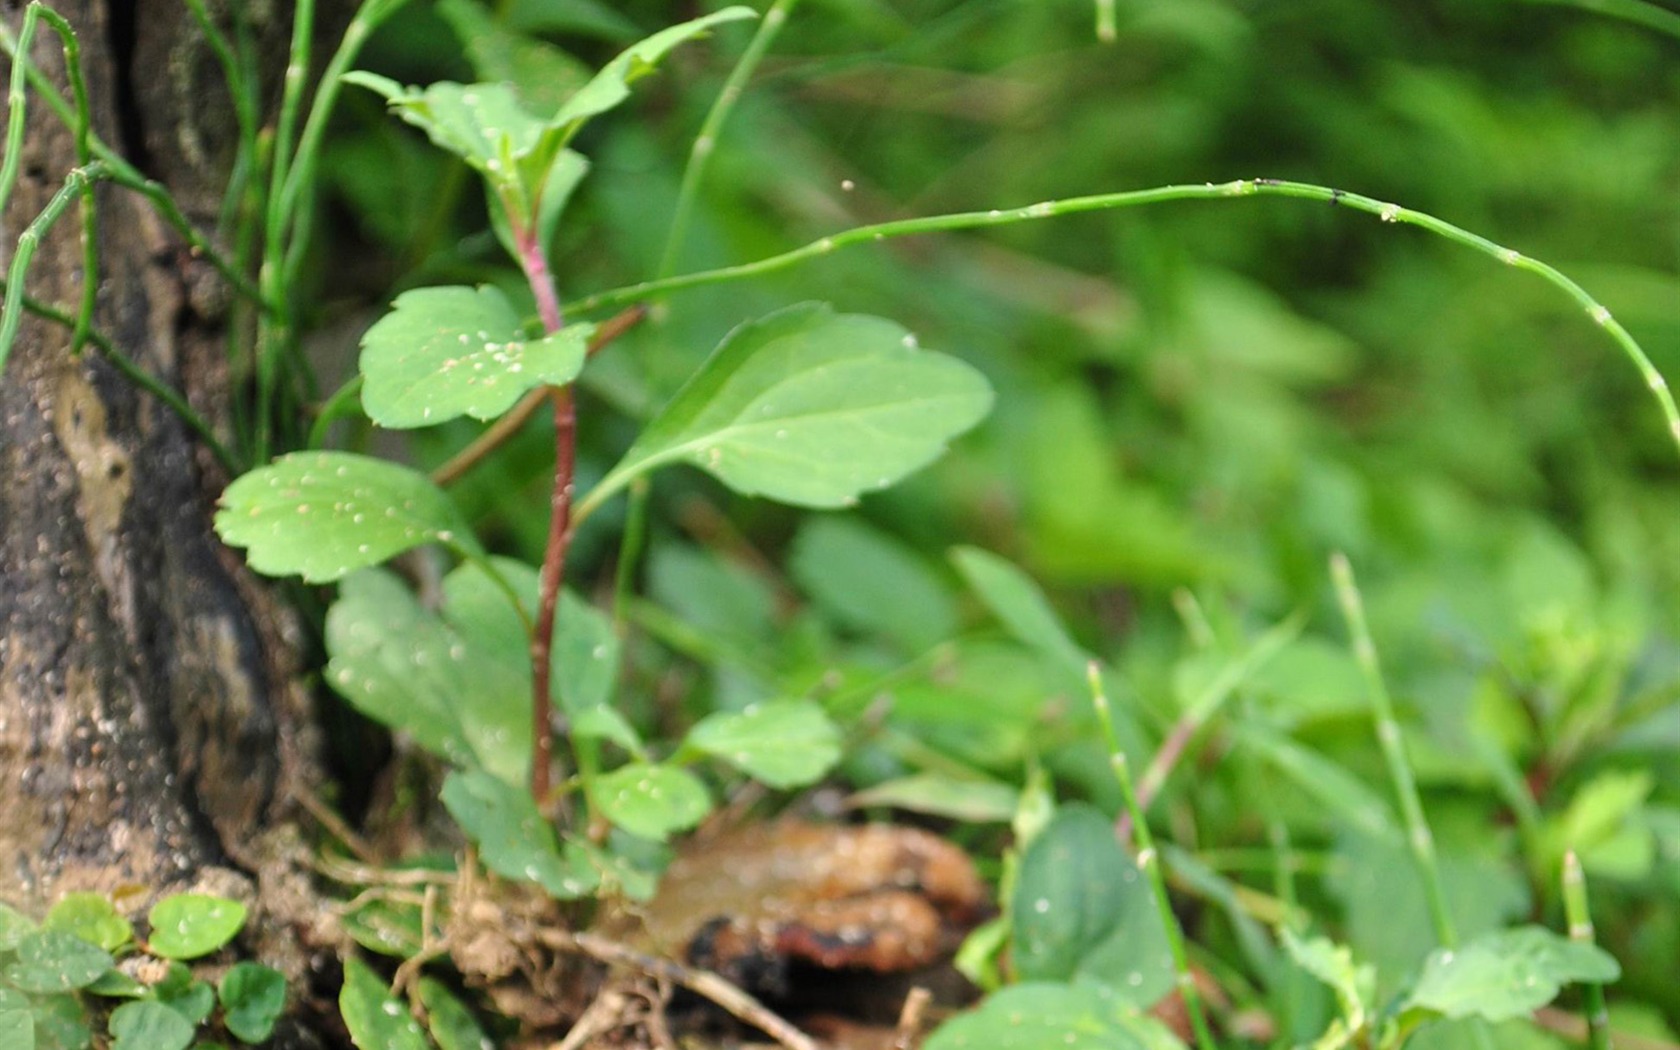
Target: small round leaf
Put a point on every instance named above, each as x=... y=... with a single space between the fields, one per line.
x=189 y=925
x=651 y=801
x=54 y=961
x=252 y=996
x=147 y=1025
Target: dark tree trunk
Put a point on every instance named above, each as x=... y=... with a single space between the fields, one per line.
x=152 y=731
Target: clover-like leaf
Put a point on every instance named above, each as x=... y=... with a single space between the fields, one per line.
x=17 y=1028
x=1507 y=974
x=446 y=352
x=651 y=800
x=787 y=743
x=812 y=408
x=375 y=1018
x=513 y=838
x=188 y=925
x=252 y=997
x=147 y=1025
x=49 y=961
x=323 y=515
x=92 y=917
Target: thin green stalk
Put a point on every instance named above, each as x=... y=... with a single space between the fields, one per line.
x=630 y=553
x=1579 y=915
x=82 y=128
x=699 y=155
x=273 y=336
x=1387 y=212
x=232 y=56
x=297 y=195
x=16 y=101
x=1149 y=860
x=120 y=171
x=11 y=311
x=1418 y=836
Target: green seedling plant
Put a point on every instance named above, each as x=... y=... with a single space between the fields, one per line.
x=809 y=406
x=83 y=964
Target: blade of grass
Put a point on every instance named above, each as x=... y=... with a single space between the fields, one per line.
x=1419 y=838
x=1149 y=860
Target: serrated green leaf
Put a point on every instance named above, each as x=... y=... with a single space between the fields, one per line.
x=1044 y=1016
x=650 y=800
x=252 y=996
x=811 y=408
x=451 y=1023
x=376 y=1020
x=188 y=925
x=786 y=743
x=49 y=961
x=149 y=1026
x=1507 y=974
x=1081 y=909
x=323 y=515
x=611 y=85
x=513 y=838
x=446 y=352
x=92 y=917
x=934 y=794
x=483 y=124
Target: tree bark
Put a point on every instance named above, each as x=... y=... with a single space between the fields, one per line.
x=152 y=728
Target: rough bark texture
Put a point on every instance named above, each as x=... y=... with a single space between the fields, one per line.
x=151 y=728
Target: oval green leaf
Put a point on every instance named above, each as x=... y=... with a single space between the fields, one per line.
x=189 y=925
x=1083 y=910
x=786 y=744
x=149 y=1026
x=49 y=961
x=650 y=800
x=446 y=352
x=812 y=408
x=17 y=1028
x=376 y=1020
x=451 y=1023
x=513 y=838
x=252 y=997
x=322 y=515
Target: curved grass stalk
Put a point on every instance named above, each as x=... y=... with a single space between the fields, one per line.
x=1387 y=212
x=77 y=183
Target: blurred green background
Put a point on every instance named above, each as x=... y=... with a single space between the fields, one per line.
x=1197 y=404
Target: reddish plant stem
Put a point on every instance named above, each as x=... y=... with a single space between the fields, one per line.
x=553 y=571
x=535 y=265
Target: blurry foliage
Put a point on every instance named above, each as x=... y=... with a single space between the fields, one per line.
x=1203 y=399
